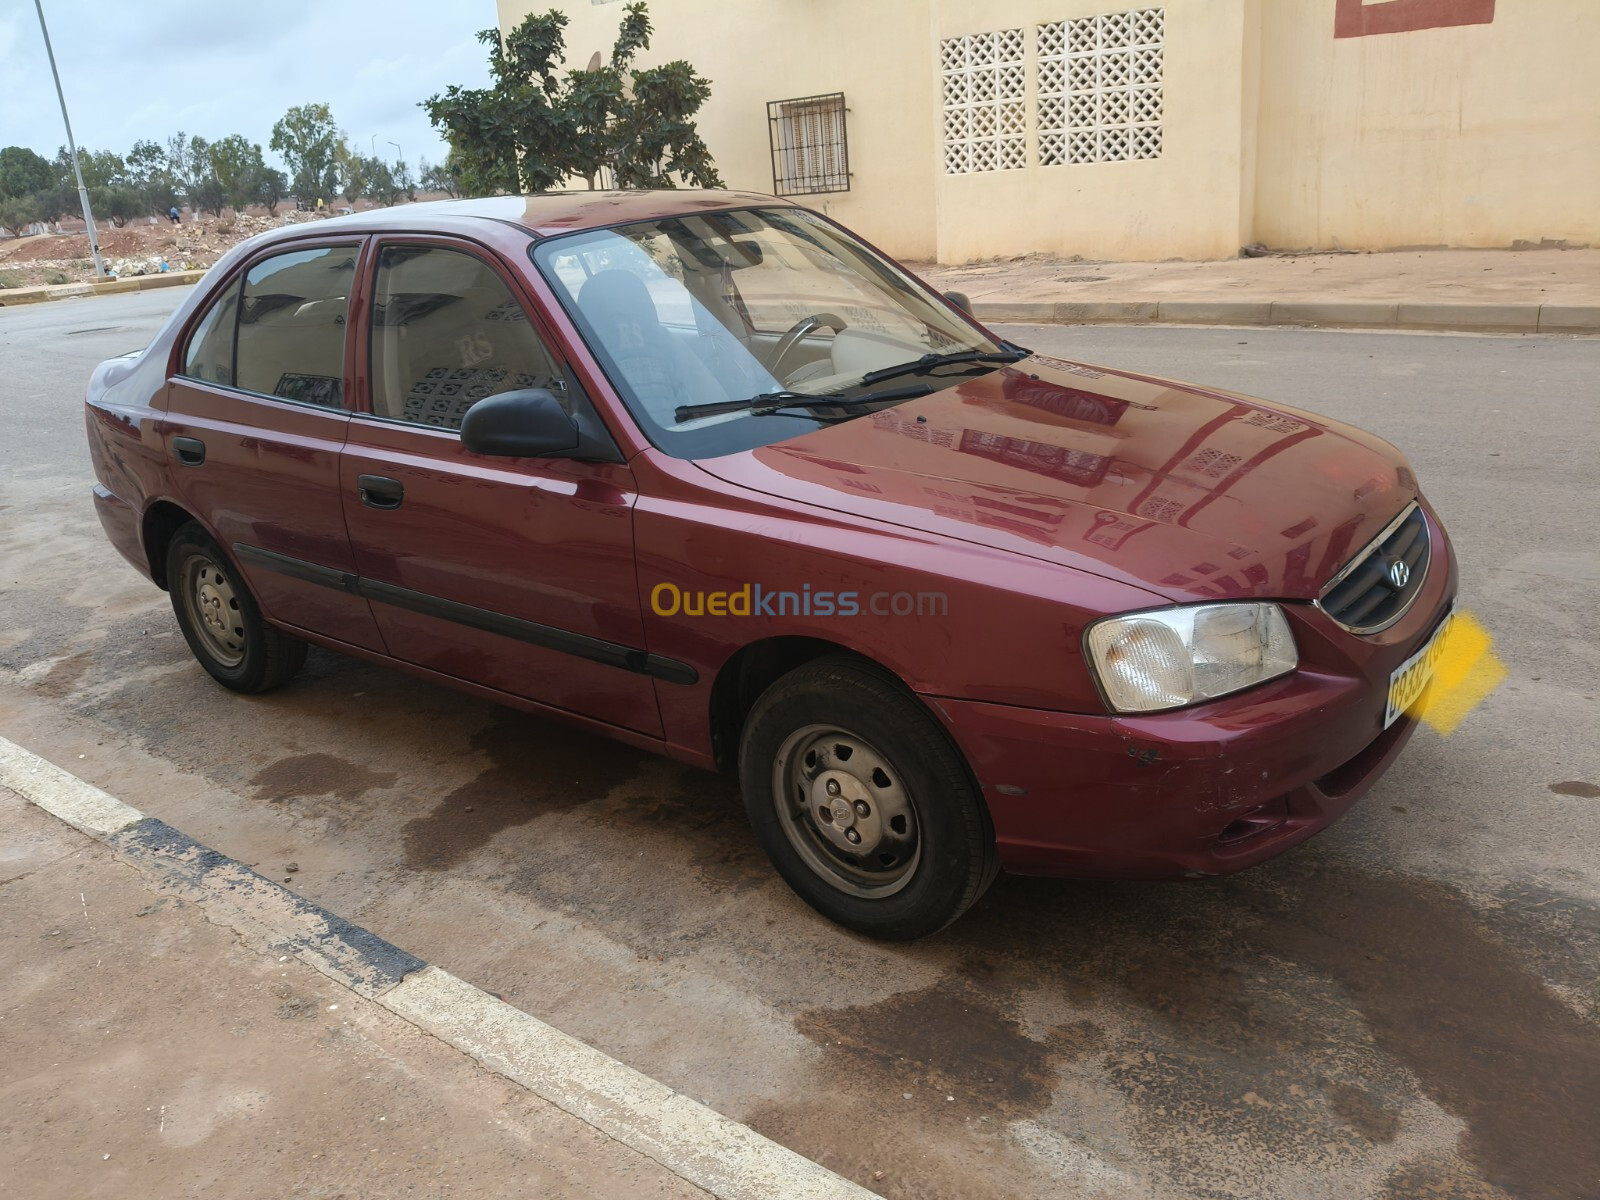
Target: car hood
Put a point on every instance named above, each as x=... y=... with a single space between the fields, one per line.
x=1187 y=492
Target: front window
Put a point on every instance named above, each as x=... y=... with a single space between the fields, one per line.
x=727 y=306
x=446 y=333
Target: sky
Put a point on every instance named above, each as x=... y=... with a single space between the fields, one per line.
x=150 y=68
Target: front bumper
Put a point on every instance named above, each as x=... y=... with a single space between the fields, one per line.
x=1205 y=790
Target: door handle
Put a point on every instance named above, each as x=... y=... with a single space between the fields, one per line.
x=191 y=452
x=379 y=491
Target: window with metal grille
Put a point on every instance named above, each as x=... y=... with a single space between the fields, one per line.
x=984 y=77
x=1100 y=85
x=810 y=152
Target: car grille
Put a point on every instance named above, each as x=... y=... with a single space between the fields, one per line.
x=1378 y=585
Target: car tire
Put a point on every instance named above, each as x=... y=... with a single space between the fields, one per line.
x=221 y=620
x=862 y=802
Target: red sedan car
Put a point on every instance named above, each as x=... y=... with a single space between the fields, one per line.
x=704 y=472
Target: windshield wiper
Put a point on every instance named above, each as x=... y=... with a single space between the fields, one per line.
x=768 y=403
x=929 y=361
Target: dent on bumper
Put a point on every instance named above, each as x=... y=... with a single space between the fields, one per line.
x=1175 y=795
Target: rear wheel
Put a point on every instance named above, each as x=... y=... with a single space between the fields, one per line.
x=862 y=803
x=221 y=620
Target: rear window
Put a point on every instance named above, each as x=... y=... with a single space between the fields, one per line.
x=292 y=316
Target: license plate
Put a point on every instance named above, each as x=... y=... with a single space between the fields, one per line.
x=1411 y=678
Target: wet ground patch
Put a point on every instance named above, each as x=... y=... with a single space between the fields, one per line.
x=535 y=767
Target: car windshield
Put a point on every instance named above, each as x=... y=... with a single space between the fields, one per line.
x=720 y=307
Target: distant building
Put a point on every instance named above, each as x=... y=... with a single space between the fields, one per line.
x=956 y=130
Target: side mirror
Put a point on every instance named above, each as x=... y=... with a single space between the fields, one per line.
x=527 y=423
x=959 y=299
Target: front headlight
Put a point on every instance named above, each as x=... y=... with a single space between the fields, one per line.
x=1166 y=659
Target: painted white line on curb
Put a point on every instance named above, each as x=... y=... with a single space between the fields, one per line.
x=694 y=1142
x=698 y=1144
x=62 y=794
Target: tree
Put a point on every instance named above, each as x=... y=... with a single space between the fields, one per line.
x=100 y=169
x=311 y=146
x=119 y=202
x=149 y=172
x=57 y=201
x=186 y=160
x=272 y=185
x=236 y=164
x=436 y=177
x=209 y=195
x=405 y=183
x=530 y=129
x=355 y=171
x=19 y=212
x=24 y=172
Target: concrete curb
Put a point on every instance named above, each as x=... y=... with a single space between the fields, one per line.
x=1318 y=314
x=102 y=287
x=696 y=1143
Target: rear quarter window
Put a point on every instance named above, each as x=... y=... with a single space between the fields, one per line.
x=209 y=357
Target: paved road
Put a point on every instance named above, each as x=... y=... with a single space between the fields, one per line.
x=1405 y=1007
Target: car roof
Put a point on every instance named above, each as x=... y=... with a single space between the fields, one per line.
x=544 y=214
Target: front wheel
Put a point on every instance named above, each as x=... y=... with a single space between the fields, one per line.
x=220 y=618
x=862 y=803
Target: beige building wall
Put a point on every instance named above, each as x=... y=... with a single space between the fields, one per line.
x=1185 y=203
x=1477 y=135
x=755 y=51
x=1273 y=129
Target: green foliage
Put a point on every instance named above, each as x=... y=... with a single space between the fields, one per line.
x=100 y=169
x=379 y=182
x=149 y=172
x=271 y=186
x=532 y=128
x=209 y=195
x=9 y=281
x=119 y=202
x=312 y=147
x=56 y=278
x=236 y=164
x=24 y=172
x=57 y=201
x=187 y=160
x=18 y=212
x=437 y=177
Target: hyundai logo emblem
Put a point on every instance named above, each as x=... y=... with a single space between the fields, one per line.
x=1399 y=574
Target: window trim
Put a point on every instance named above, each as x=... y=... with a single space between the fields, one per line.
x=363 y=247
x=786 y=114
x=363 y=408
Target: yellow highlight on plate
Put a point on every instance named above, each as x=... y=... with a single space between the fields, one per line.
x=1465 y=672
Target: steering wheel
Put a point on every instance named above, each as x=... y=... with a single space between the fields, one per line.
x=786 y=344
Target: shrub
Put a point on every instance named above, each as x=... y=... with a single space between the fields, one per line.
x=57 y=277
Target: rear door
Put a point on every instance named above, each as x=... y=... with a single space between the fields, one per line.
x=257 y=417
x=515 y=574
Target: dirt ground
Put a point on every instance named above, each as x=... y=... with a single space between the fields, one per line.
x=138 y=248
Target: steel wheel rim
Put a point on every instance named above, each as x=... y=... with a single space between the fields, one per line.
x=213 y=608
x=829 y=783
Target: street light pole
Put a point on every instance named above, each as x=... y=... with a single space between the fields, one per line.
x=72 y=145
